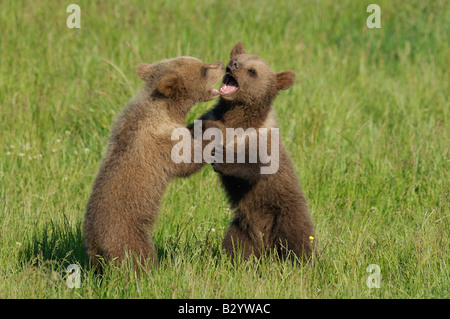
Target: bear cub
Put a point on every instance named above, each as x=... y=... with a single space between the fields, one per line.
x=137 y=167
x=270 y=211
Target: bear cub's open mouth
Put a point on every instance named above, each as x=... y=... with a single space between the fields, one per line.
x=229 y=85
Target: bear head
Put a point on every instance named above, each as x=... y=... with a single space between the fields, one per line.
x=182 y=78
x=249 y=79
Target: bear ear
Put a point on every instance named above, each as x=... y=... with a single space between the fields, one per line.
x=285 y=80
x=143 y=70
x=171 y=85
x=237 y=49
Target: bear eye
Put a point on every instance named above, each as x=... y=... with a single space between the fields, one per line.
x=252 y=72
x=204 y=70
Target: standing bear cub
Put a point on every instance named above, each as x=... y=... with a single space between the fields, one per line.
x=138 y=167
x=270 y=211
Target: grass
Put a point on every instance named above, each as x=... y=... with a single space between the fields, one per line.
x=366 y=124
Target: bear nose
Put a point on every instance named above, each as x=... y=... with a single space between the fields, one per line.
x=234 y=64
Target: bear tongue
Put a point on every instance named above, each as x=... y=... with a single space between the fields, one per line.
x=229 y=87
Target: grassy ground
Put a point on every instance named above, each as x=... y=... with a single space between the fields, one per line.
x=366 y=124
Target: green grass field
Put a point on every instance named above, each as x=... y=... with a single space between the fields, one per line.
x=367 y=125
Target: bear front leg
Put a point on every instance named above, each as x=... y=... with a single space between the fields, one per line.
x=249 y=172
x=197 y=146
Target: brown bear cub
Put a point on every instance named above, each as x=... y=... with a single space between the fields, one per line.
x=137 y=167
x=270 y=211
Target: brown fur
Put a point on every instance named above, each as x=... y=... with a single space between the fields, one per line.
x=270 y=211
x=137 y=167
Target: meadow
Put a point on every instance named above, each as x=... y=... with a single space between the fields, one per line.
x=366 y=124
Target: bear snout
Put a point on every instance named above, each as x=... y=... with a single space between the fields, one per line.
x=233 y=65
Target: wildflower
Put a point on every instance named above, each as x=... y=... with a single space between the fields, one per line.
x=86 y=150
x=8 y=153
x=21 y=154
x=58 y=141
x=67 y=132
x=311 y=238
x=213 y=230
x=18 y=244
